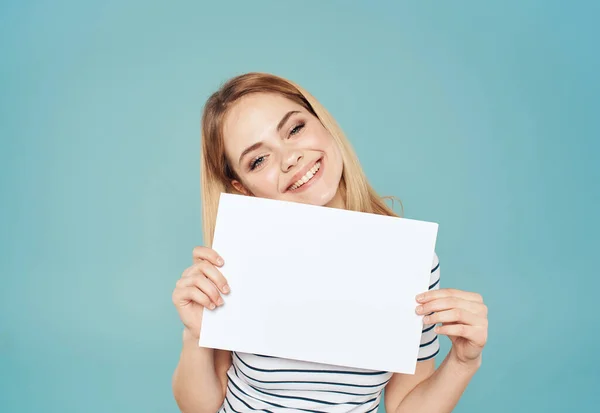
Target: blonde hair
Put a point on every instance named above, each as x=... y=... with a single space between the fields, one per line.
x=216 y=174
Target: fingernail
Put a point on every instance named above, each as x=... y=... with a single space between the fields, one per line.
x=419 y=309
x=437 y=329
x=426 y=320
x=420 y=297
x=220 y=301
x=220 y=261
x=226 y=289
x=212 y=306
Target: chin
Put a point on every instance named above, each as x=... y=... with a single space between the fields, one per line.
x=319 y=198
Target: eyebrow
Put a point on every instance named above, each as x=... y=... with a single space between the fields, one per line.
x=285 y=118
x=249 y=149
x=259 y=144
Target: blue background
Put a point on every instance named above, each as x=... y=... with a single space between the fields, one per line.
x=481 y=117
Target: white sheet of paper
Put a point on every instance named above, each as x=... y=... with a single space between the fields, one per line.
x=320 y=284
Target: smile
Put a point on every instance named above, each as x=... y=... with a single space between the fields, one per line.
x=307 y=177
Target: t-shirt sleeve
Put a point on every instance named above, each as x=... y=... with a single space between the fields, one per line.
x=430 y=345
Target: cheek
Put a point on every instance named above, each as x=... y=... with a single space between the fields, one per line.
x=321 y=140
x=324 y=140
x=336 y=164
x=265 y=182
x=334 y=151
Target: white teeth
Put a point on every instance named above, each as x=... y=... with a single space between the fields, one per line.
x=306 y=177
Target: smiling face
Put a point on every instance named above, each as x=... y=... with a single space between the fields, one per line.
x=279 y=150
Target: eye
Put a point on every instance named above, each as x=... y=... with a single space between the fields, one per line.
x=296 y=129
x=256 y=162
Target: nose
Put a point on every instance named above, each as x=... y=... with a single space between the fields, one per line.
x=290 y=160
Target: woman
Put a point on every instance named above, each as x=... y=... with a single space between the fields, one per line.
x=266 y=136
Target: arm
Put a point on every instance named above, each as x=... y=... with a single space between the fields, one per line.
x=439 y=392
x=200 y=379
x=199 y=382
x=463 y=316
x=401 y=384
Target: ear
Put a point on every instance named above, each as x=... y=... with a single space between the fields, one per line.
x=239 y=187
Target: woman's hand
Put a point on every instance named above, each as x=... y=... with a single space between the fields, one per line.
x=199 y=286
x=463 y=316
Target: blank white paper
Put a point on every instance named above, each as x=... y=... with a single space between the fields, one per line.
x=320 y=284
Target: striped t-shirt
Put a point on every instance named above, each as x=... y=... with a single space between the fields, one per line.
x=273 y=384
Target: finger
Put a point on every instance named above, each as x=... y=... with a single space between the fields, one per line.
x=188 y=294
x=449 y=292
x=204 y=284
x=208 y=270
x=213 y=274
x=475 y=334
x=208 y=254
x=448 y=303
x=455 y=315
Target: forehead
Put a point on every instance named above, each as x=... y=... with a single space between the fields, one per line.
x=253 y=118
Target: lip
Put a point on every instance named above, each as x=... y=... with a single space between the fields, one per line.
x=303 y=172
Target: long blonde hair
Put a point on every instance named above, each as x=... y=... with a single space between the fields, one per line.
x=216 y=174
